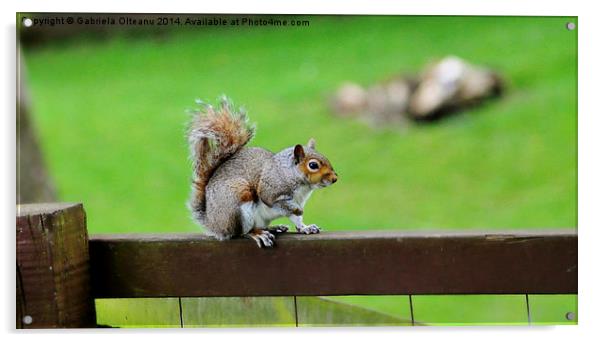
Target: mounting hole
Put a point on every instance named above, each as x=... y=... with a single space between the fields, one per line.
x=570 y=26
x=570 y=315
x=27 y=22
x=27 y=320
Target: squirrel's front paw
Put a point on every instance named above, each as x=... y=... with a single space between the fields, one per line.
x=277 y=229
x=309 y=229
x=263 y=238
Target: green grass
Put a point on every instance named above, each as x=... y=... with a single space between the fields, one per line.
x=471 y=310
x=553 y=309
x=111 y=118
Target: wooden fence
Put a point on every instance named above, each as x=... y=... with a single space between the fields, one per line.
x=60 y=271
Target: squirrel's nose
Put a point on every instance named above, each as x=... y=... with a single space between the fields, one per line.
x=334 y=179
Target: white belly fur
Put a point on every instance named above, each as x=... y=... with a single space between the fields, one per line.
x=302 y=194
x=263 y=214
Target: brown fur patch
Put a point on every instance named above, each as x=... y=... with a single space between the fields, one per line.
x=199 y=185
x=256 y=231
x=201 y=170
x=199 y=194
x=246 y=192
x=247 y=196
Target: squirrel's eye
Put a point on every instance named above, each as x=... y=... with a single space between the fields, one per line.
x=313 y=165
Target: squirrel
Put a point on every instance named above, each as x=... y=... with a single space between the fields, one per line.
x=239 y=190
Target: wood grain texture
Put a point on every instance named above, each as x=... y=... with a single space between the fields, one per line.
x=360 y=263
x=53 y=280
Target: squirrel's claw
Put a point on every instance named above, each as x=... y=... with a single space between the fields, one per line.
x=309 y=229
x=277 y=229
x=263 y=238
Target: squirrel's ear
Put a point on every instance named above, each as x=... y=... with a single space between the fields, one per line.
x=299 y=153
x=311 y=143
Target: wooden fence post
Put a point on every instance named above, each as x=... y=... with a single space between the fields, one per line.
x=53 y=268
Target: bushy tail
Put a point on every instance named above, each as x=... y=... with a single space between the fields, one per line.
x=214 y=135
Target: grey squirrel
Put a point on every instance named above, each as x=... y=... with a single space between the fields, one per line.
x=238 y=190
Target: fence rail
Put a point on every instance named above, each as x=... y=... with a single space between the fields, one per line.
x=369 y=263
x=60 y=271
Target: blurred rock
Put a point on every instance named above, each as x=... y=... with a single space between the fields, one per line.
x=387 y=102
x=445 y=86
x=380 y=104
x=452 y=84
x=350 y=99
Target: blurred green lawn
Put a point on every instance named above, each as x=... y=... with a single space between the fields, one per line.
x=111 y=118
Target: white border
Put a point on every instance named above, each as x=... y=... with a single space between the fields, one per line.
x=589 y=173
x=446 y=7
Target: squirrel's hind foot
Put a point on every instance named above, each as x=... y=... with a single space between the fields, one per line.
x=263 y=238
